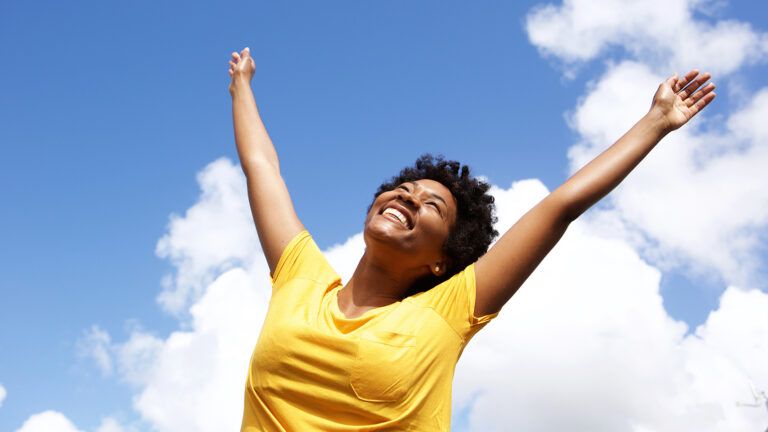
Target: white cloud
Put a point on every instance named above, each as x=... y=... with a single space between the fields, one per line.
x=95 y=344
x=344 y=257
x=3 y=394
x=215 y=234
x=664 y=33
x=136 y=356
x=698 y=198
x=48 y=421
x=133 y=357
x=110 y=424
x=54 y=421
x=697 y=202
x=196 y=380
x=587 y=338
x=739 y=329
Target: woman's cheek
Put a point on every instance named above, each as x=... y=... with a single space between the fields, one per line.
x=435 y=227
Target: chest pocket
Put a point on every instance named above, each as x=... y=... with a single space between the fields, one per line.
x=383 y=367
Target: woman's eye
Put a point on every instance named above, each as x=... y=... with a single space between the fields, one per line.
x=403 y=188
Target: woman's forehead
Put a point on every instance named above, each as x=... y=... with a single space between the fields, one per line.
x=435 y=187
x=431 y=184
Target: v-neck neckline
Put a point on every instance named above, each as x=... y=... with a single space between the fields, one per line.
x=365 y=316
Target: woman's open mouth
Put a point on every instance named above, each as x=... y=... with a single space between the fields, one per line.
x=396 y=215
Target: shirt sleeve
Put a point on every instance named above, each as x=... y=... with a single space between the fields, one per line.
x=454 y=300
x=301 y=259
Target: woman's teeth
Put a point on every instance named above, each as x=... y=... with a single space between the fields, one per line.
x=398 y=215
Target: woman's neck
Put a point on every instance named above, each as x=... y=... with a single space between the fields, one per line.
x=373 y=284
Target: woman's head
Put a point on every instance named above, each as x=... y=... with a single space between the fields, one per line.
x=435 y=212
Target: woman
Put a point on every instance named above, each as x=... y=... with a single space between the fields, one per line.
x=379 y=352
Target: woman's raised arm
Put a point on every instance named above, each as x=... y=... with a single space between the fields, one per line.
x=510 y=261
x=271 y=205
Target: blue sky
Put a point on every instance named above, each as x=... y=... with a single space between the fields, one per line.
x=111 y=109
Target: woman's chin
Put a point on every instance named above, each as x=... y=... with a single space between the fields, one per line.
x=384 y=230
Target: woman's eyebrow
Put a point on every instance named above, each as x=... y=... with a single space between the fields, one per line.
x=432 y=194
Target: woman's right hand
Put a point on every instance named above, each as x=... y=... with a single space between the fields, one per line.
x=679 y=99
x=241 y=69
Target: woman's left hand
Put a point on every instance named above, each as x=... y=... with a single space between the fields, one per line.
x=676 y=103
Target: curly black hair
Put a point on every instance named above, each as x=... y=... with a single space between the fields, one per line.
x=473 y=231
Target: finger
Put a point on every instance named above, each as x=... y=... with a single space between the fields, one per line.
x=231 y=72
x=671 y=81
x=703 y=102
x=231 y=63
x=681 y=83
x=694 y=85
x=246 y=52
x=699 y=94
x=235 y=55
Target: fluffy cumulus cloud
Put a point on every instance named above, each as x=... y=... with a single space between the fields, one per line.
x=707 y=177
x=209 y=238
x=672 y=34
x=195 y=380
x=3 y=394
x=48 y=421
x=587 y=345
x=695 y=181
x=587 y=337
x=54 y=421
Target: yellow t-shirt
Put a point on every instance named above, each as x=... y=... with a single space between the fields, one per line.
x=391 y=368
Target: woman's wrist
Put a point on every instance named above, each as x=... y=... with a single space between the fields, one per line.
x=239 y=86
x=658 y=122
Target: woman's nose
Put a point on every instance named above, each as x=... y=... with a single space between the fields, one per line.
x=409 y=199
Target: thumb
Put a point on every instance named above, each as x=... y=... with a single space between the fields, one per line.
x=671 y=81
x=246 y=52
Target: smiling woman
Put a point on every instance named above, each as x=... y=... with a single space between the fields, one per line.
x=379 y=351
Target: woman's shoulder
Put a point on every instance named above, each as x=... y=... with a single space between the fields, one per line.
x=454 y=300
x=302 y=258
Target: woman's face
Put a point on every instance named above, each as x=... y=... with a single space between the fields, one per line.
x=412 y=222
